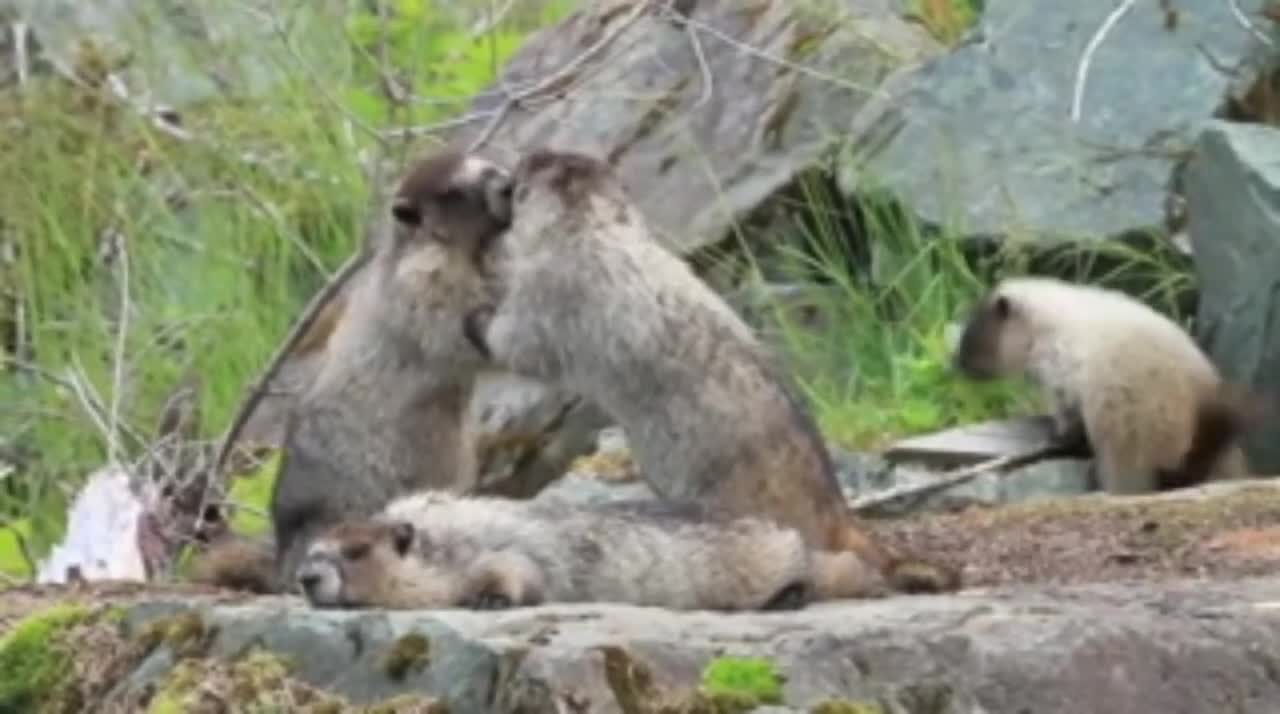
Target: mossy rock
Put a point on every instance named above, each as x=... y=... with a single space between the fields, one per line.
x=56 y=659
x=260 y=681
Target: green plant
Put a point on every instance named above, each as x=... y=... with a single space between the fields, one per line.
x=751 y=678
x=879 y=367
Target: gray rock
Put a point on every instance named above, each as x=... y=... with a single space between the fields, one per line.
x=188 y=52
x=698 y=155
x=1233 y=206
x=1185 y=647
x=987 y=147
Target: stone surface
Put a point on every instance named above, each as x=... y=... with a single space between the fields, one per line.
x=1185 y=647
x=696 y=155
x=987 y=146
x=186 y=52
x=1233 y=206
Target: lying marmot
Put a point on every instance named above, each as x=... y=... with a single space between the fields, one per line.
x=593 y=302
x=439 y=550
x=1118 y=374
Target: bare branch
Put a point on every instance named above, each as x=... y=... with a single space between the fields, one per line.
x=518 y=95
x=122 y=333
x=1086 y=59
x=1000 y=463
x=300 y=327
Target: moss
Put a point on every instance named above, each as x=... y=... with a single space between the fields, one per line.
x=730 y=686
x=845 y=706
x=743 y=676
x=185 y=633
x=408 y=704
x=33 y=663
x=630 y=681
x=411 y=653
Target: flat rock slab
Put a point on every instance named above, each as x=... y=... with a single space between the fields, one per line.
x=972 y=443
x=1186 y=647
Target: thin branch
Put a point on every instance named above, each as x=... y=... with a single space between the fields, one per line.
x=518 y=95
x=300 y=327
x=1246 y=24
x=122 y=333
x=771 y=58
x=708 y=81
x=21 y=58
x=1086 y=59
x=1000 y=463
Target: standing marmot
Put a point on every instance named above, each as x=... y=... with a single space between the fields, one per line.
x=1128 y=379
x=592 y=301
x=385 y=414
x=435 y=550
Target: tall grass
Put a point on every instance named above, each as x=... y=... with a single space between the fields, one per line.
x=223 y=237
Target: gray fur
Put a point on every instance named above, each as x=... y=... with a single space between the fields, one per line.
x=485 y=552
x=384 y=416
x=593 y=302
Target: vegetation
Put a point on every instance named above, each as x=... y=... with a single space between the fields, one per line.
x=747 y=677
x=134 y=256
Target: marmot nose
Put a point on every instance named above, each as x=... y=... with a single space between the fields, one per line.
x=309 y=581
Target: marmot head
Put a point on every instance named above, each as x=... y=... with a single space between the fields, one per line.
x=352 y=564
x=997 y=336
x=447 y=211
x=550 y=184
x=454 y=198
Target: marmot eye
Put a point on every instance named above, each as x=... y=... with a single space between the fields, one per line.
x=355 y=551
x=406 y=213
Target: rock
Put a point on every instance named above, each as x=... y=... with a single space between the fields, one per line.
x=183 y=53
x=1182 y=647
x=697 y=155
x=987 y=146
x=1233 y=206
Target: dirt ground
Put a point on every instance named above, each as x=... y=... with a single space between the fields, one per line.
x=1221 y=532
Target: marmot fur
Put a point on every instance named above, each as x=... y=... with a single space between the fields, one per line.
x=385 y=415
x=593 y=302
x=439 y=550
x=1116 y=372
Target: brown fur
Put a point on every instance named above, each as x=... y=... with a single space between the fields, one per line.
x=238 y=564
x=385 y=414
x=593 y=302
x=433 y=550
x=1151 y=405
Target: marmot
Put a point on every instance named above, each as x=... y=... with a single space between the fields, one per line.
x=593 y=302
x=1118 y=374
x=385 y=413
x=439 y=550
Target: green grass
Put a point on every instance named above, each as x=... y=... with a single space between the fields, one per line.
x=878 y=366
x=226 y=236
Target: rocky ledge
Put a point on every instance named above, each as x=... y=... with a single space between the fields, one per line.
x=1176 y=646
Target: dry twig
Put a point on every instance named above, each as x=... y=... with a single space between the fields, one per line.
x=516 y=96
x=968 y=473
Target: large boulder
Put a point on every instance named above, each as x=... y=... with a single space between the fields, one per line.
x=1233 y=206
x=987 y=144
x=708 y=108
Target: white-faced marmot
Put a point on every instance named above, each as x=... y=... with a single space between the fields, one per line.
x=1150 y=404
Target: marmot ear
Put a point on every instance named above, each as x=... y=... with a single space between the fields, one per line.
x=402 y=534
x=406 y=212
x=1002 y=307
